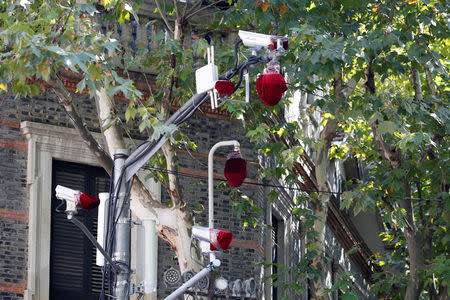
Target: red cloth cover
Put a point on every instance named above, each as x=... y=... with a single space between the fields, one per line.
x=88 y=202
x=270 y=88
x=235 y=169
x=224 y=87
x=223 y=241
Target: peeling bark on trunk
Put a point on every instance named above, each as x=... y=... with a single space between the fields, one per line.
x=321 y=207
x=105 y=109
x=173 y=224
x=180 y=240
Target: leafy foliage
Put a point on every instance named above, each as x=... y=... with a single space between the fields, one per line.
x=377 y=46
x=392 y=57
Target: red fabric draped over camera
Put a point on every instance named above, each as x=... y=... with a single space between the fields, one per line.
x=88 y=202
x=220 y=240
x=224 y=87
x=270 y=88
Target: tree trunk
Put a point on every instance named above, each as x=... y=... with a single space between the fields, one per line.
x=412 y=234
x=321 y=207
x=173 y=224
x=413 y=237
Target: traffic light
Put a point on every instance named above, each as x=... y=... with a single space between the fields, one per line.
x=235 y=169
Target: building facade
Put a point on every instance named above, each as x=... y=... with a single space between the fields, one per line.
x=43 y=257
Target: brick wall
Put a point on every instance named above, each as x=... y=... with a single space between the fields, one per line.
x=205 y=131
x=13 y=206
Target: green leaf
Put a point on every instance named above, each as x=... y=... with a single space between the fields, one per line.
x=386 y=127
x=144 y=124
x=352 y=250
x=349 y=296
x=55 y=49
x=184 y=74
x=81 y=85
x=130 y=113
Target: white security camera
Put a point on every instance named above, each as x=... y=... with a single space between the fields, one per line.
x=259 y=40
x=75 y=199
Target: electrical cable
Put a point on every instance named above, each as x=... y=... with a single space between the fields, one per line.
x=182 y=174
x=146 y=149
x=111 y=225
x=236 y=53
x=112 y=215
x=89 y=235
x=106 y=267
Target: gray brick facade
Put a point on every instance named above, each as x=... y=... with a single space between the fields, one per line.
x=237 y=262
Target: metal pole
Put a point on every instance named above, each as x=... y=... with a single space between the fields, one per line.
x=236 y=145
x=179 y=291
x=122 y=239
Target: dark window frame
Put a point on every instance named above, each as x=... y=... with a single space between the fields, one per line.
x=94 y=178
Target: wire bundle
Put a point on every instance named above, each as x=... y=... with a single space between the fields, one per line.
x=147 y=149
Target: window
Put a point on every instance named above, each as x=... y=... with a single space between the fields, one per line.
x=277 y=252
x=73 y=272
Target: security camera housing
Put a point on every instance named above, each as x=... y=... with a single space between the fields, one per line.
x=259 y=40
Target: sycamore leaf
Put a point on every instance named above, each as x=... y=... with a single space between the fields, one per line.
x=349 y=296
x=45 y=69
x=386 y=127
x=130 y=113
x=56 y=49
x=81 y=85
x=184 y=74
x=352 y=250
x=282 y=8
x=144 y=124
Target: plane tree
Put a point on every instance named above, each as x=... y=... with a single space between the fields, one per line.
x=43 y=41
x=378 y=72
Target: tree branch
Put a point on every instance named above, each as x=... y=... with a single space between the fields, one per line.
x=66 y=100
x=175 y=4
x=418 y=96
x=387 y=152
x=106 y=109
x=430 y=80
x=184 y=9
x=172 y=166
x=199 y=10
x=193 y=7
x=163 y=16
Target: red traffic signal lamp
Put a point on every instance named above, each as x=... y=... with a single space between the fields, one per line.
x=235 y=169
